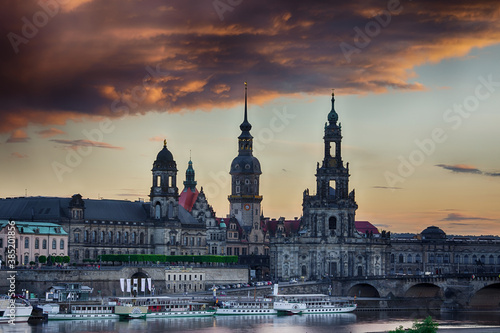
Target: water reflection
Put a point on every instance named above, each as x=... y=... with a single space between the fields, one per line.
x=314 y=323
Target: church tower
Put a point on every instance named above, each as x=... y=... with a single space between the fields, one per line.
x=244 y=201
x=164 y=194
x=331 y=211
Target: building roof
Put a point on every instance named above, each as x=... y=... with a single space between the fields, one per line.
x=188 y=198
x=42 y=228
x=34 y=208
x=115 y=210
x=365 y=226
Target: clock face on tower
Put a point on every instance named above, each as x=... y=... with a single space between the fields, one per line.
x=247 y=207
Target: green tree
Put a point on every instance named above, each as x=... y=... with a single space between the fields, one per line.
x=426 y=326
x=65 y=259
x=42 y=259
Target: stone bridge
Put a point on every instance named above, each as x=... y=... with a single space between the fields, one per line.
x=457 y=291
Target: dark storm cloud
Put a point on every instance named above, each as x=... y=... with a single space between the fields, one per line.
x=115 y=57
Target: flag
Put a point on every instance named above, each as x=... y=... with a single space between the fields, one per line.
x=128 y=286
x=135 y=282
x=122 y=284
x=143 y=284
x=149 y=284
x=69 y=296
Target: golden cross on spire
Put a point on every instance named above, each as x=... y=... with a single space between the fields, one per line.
x=164 y=142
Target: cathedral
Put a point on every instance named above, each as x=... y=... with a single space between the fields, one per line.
x=327 y=242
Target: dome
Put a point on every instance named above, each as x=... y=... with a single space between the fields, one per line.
x=245 y=164
x=164 y=159
x=222 y=225
x=433 y=233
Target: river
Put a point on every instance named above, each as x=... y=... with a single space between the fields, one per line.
x=358 y=322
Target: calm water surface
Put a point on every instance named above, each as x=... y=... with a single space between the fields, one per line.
x=359 y=322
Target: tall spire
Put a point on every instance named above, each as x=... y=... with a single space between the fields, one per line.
x=190 y=182
x=245 y=125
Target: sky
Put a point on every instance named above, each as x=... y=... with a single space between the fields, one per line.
x=91 y=88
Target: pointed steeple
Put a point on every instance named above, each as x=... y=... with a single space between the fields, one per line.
x=333 y=116
x=190 y=182
x=245 y=125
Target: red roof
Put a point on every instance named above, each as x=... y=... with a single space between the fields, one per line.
x=364 y=226
x=188 y=198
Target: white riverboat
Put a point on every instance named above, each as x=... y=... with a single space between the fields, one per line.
x=161 y=307
x=319 y=303
x=80 y=312
x=14 y=310
x=246 y=306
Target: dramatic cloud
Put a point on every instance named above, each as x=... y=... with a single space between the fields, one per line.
x=110 y=58
x=48 y=133
x=85 y=143
x=460 y=168
x=18 y=136
x=460 y=217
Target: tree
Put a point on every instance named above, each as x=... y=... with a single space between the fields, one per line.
x=65 y=259
x=42 y=259
x=426 y=326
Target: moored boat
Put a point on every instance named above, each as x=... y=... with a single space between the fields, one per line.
x=14 y=310
x=161 y=307
x=80 y=312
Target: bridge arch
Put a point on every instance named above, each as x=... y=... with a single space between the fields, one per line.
x=487 y=297
x=363 y=290
x=137 y=287
x=423 y=290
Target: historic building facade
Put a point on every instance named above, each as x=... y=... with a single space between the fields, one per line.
x=326 y=243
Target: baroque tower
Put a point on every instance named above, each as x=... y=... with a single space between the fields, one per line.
x=332 y=190
x=244 y=201
x=164 y=194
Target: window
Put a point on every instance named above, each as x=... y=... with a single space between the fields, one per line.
x=417 y=258
x=332 y=223
x=141 y=238
x=446 y=258
x=392 y=258
x=77 y=238
x=86 y=236
x=133 y=237
x=118 y=237
x=54 y=244
x=77 y=255
x=110 y=237
x=466 y=259
x=244 y=251
x=61 y=244
x=1 y=243
x=125 y=237
x=102 y=236
x=44 y=244
x=26 y=243
x=94 y=236
x=401 y=258
x=37 y=243
x=198 y=241
x=237 y=189
x=409 y=258
x=491 y=260
x=26 y=260
x=431 y=258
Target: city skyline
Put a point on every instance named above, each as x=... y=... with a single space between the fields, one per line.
x=91 y=90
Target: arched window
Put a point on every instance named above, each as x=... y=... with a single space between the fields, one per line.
x=446 y=258
x=110 y=237
x=125 y=237
x=431 y=258
x=483 y=259
x=466 y=259
x=332 y=223
x=141 y=238
x=401 y=258
x=417 y=258
x=54 y=244
x=87 y=254
x=37 y=243
x=408 y=271
x=86 y=236
x=44 y=244
x=118 y=237
x=409 y=258
x=61 y=244
x=474 y=260
x=304 y=270
x=491 y=260
x=360 y=271
x=26 y=243
x=94 y=236
x=157 y=211
x=133 y=237
x=102 y=236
